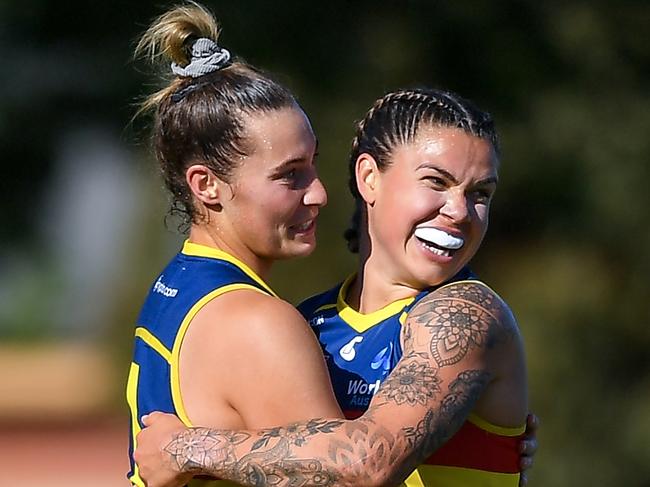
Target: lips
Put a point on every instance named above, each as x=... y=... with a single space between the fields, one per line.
x=304 y=227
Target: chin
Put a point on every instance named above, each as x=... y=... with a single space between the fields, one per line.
x=295 y=250
x=431 y=282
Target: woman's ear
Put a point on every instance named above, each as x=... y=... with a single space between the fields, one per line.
x=205 y=186
x=367 y=175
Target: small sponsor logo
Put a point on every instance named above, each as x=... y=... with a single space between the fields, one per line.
x=348 y=352
x=160 y=288
x=360 y=401
x=359 y=386
x=317 y=320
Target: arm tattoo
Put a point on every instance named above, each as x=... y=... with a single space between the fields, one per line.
x=199 y=446
x=440 y=332
x=268 y=461
x=414 y=383
x=296 y=433
x=434 y=429
x=461 y=317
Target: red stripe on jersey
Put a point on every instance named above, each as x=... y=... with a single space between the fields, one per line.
x=473 y=447
x=353 y=413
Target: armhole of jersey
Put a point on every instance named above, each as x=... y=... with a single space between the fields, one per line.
x=176 y=350
x=132 y=401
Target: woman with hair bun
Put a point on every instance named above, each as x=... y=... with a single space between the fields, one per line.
x=212 y=338
x=416 y=345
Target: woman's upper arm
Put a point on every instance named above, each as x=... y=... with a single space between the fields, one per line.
x=257 y=355
x=285 y=377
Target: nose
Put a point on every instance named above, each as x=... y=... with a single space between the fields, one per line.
x=315 y=194
x=455 y=207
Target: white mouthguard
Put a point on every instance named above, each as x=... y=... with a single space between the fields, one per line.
x=439 y=238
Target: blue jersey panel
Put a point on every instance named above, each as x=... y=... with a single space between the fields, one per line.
x=360 y=350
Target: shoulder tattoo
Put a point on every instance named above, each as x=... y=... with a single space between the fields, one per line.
x=460 y=317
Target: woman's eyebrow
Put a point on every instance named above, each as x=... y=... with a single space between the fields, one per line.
x=445 y=173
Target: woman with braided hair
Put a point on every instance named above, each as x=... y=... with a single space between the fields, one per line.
x=425 y=356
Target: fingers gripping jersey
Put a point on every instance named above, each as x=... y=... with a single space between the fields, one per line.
x=362 y=349
x=195 y=276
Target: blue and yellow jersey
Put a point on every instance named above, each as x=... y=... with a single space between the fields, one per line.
x=194 y=277
x=362 y=349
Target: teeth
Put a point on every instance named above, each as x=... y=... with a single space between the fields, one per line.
x=437 y=251
x=304 y=226
x=439 y=238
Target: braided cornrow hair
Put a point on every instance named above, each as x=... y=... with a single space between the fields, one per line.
x=395 y=120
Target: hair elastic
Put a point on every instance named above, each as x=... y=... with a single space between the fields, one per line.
x=207 y=57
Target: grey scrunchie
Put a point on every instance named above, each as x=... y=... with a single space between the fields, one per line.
x=207 y=57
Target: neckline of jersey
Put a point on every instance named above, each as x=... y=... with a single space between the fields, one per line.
x=197 y=250
x=362 y=322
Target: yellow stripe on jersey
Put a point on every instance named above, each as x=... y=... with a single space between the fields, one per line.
x=413 y=480
x=442 y=476
x=362 y=322
x=154 y=343
x=198 y=250
x=496 y=429
x=132 y=401
x=176 y=349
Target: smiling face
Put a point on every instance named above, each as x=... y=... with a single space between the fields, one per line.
x=269 y=208
x=430 y=206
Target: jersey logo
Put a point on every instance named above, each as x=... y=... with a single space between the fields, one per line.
x=317 y=320
x=348 y=352
x=382 y=359
x=161 y=288
x=360 y=386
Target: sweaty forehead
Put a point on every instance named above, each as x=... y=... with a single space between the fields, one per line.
x=435 y=141
x=453 y=150
x=437 y=134
x=276 y=129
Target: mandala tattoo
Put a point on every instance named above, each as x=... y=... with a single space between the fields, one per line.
x=200 y=446
x=460 y=317
x=414 y=384
x=473 y=292
x=459 y=326
x=366 y=447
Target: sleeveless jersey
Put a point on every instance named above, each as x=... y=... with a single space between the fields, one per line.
x=362 y=349
x=195 y=276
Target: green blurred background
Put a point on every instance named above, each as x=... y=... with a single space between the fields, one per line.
x=83 y=227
